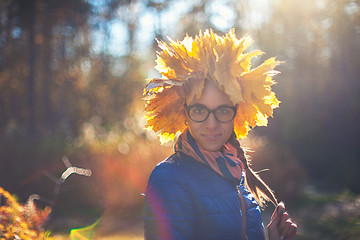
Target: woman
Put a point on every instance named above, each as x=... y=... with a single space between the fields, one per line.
x=206 y=189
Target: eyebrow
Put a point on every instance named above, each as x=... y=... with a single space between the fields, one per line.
x=202 y=105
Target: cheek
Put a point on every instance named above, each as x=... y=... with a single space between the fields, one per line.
x=229 y=128
x=193 y=126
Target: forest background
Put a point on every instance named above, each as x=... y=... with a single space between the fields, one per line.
x=72 y=74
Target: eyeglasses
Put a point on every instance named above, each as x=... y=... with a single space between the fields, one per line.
x=199 y=113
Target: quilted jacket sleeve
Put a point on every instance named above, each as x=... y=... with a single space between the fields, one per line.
x=168 y=208
x=254 y=225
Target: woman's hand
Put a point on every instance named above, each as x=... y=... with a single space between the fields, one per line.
x=281 y=227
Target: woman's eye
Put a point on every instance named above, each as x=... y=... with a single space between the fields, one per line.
x=198 y=110
x=223 y=110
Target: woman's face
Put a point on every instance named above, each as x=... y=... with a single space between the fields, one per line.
x=211 y=134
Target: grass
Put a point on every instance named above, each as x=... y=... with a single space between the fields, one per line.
x=122 y=237
x=329 y=216
x=118 y=236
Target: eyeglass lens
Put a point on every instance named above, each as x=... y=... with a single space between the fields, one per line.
x=201 y=113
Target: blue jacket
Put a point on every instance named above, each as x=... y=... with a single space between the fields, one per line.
x=187 y=200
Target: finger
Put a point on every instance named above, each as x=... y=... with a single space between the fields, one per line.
x=289 y=231
x=292 y=231
x=273 y=227
x=283 y=222
x=276 y=219
x=285 y=231
x=274 y=223
x=279 y=210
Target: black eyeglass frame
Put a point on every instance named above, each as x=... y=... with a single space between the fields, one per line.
x=188 y=108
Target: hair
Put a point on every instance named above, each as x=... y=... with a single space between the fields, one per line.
x=255 y=184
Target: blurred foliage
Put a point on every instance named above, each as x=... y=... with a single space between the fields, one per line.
x=71 y=80
x=21 y=221
x=337 y=216
x=319 y=87
x=51 y=79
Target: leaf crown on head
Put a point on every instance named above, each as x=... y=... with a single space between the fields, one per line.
x=186 y=64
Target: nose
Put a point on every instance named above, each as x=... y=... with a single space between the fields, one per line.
x=211 y=122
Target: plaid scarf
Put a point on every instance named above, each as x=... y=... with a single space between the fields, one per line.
x=224 y=162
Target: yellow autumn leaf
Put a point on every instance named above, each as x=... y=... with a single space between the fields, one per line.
x=160 y=115
x=186 y=64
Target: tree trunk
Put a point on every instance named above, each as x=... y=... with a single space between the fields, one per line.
x=47 y=22
x=32 y=128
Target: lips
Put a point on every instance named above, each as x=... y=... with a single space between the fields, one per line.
x=211 y=137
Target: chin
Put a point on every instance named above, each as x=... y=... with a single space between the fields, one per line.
x=211 y=147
